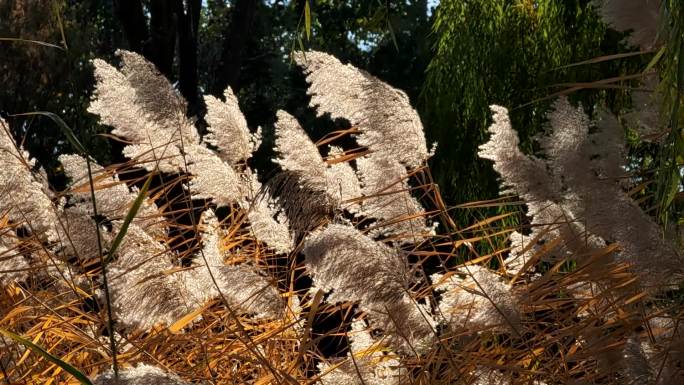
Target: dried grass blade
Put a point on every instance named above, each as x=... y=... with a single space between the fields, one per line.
x=37 y=349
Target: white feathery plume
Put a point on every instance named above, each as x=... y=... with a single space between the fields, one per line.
x=300 y=155
x=516 y=260
x=639 y=17
x=387 y=199
x=144 y=266
x=144 y=109
x=388 y=123
x=633 y=363
x=217 y=180
x=550 y=222
x=646 y=117
x=577 y=188
x=213 y=179
x=607 y=211
x=353 y=267
x=142 y=374
x=270 y=225
x=390 y=128
x=408 y=325
x=13 y=265
x=228 y=130
x=241 y=285
x=521 y=174
x=366 y=363
x=266 y=219
x=343 y=181
x=141 y=268
x=575 y=156
x=113 y=197
x=114 y=102
x=77 y=234
x=528 y=177
x=161 y=102
x=563 y=144
x=27 y=197
x=655 y=354
x=297 y=152
x=480 y=300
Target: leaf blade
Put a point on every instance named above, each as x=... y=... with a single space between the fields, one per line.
x=38 y=42
x=129 y=218
x=307 y=20
x=82 y=378
x=68 y=132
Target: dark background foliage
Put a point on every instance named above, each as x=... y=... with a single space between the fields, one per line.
x=452 y=58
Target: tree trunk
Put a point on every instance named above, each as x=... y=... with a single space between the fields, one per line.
x=234 y=46
x=169 y=19
x=130 y=14
x=161 y=46
x=188 y=19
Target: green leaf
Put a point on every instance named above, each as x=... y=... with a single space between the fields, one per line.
x=71 y=137
x=307 y=20
x=392 y=35
x=43 y=43
x=656 y=59
x=37 y=349
x=301 y=44
x=673 y=189
x=604 y=58
x=60 y=23
x=129 y=218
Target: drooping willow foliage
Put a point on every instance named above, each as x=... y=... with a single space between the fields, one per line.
x=341 y=268
x=655 y=26
x=515 y=54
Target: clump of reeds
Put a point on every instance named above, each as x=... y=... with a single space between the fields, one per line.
x=184 y=266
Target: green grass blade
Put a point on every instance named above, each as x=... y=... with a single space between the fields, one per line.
x=71 y=137
x=129 y=217
x=38 y=42
x=44 y=353
x=301 y=44
x=307 y=20
x=68 y=132
x=390 y=29
x=60 y=23
x=656 y=59
x=601 y=59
